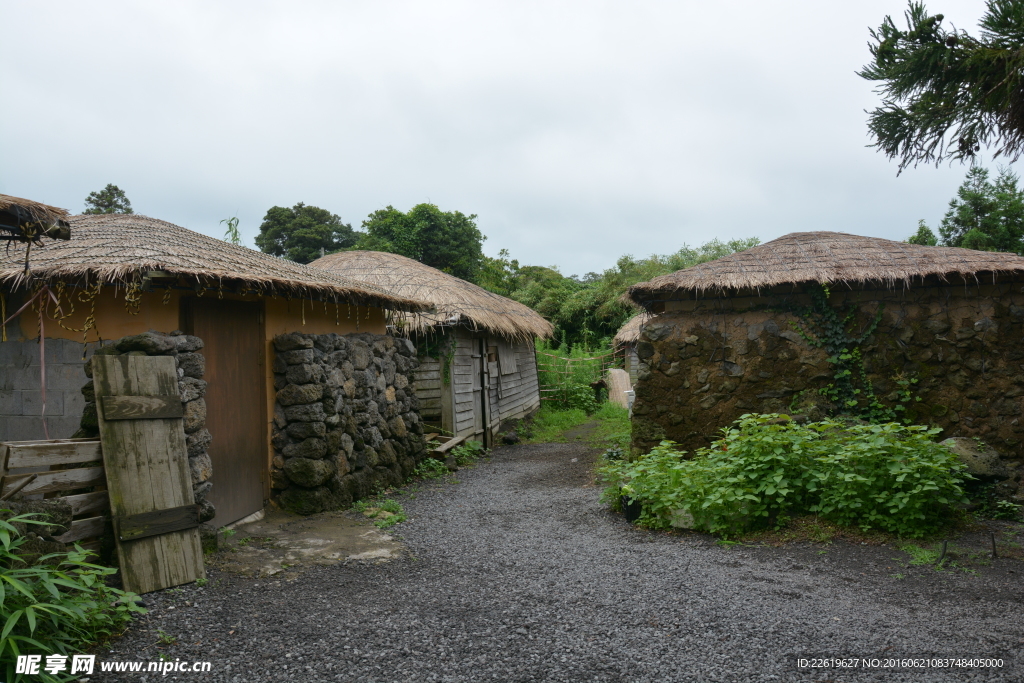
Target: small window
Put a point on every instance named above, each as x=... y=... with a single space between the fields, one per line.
x=507 y=357
x=492 y=354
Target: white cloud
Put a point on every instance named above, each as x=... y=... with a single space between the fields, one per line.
x=577 y=131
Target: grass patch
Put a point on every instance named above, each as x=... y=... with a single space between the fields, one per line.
x=550 y=424
x=384 y=513
x=613 y=427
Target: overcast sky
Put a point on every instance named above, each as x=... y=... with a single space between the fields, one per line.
x=576 y=131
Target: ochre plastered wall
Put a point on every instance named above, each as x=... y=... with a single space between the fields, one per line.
x=161 y=311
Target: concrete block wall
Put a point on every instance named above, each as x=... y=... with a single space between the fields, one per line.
x=20 y=395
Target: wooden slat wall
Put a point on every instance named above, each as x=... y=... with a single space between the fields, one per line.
x=520 y=393
x=462 y=377
x=428 y=386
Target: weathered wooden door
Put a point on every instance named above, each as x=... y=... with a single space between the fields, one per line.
x=146 y=465
x=235 y=409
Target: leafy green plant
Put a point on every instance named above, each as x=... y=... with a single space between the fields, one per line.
x=59 y=605
x=429 y=468
x=766 y=469
x=468 y=453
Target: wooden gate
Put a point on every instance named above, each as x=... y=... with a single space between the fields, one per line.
x=232 y=335
x=146 y=462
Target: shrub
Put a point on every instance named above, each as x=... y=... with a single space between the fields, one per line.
x=765 y=469
x=429 y=468
x=59 y=605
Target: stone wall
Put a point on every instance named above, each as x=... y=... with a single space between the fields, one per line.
x=346 y=421
x=706 y=362
x=191 y=365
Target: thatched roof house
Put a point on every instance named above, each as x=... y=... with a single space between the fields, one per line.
x=625 y=340
x=24 y=219
x=474 y=339
x=825 y=258
x=864 y=319
x=122 y=275
x=456 y=301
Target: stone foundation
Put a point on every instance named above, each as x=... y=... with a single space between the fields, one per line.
x=346 y=421
x=190 y=365
x=706 y=362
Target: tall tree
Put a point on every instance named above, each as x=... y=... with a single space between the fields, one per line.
x=303 y=233
x=924 y=236
x=110 y=199
x=446 y=240
x=986 y=215
x=946 y=93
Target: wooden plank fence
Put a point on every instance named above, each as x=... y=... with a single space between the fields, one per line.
x=71 y=469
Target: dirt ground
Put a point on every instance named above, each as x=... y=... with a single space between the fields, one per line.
x=513 y=570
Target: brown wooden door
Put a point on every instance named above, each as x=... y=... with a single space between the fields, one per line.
x=235 y=410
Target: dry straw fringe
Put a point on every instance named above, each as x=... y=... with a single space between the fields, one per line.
x=826 y=258
x=456 y=301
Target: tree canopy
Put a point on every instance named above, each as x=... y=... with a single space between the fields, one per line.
x=984 y=215
x=587 y=311
x=110 y=199
x=945 y=94
x=303 y=233
x=446 y=240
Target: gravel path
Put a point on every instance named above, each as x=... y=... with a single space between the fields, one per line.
x=517 y=573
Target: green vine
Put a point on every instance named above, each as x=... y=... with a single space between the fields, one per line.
x=834 y=331
x=441 y=347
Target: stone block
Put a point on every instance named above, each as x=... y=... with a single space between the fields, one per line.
x=299 y=394
x=200 y=467
x=185 y=343
x=192 y=364
x=307 y=472
x=194 y=418
x=296 y=357
x=198 y=442
x=306 y=430
x=21 y=429
x=191 y=389
x=306 y=501
x=303 y=373
x=308 y=448
x=291 y=342
x=151 y=343
x=313 y=412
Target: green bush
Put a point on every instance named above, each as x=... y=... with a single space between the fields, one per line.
x=59 y=605
x=429 y=468
x=765 y=469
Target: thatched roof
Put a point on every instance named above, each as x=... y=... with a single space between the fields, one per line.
x=825 y=258
x=456 y=301
x=630 y=332
x=122 y=248
x=17 y=214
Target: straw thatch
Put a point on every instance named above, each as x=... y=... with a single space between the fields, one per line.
x=826 y=258
x=630 y=332
x=456 y=301
x=123 y=248
x=23 y=219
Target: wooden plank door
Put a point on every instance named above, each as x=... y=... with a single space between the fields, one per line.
x=146 y=463
x=235 y=407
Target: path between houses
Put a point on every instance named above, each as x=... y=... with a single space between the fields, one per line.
x=518 y=573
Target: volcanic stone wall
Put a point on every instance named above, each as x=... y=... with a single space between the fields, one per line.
x=190 y=365
x=345 y=421
x=706 y=362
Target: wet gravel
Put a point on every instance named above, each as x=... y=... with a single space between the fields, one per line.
x=517 y=573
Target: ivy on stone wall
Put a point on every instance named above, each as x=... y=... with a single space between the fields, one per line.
x=836 y=331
